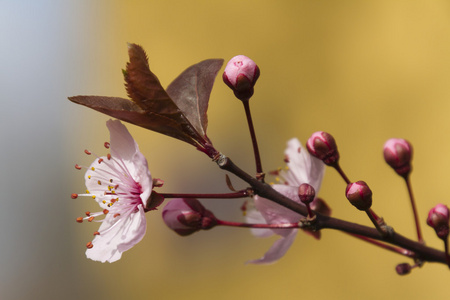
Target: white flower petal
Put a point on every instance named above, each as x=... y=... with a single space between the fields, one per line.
x=278 y=249
x=124 y=148
x=255 y=217
x=273 y=212
x=303 y=167
x=118 y=235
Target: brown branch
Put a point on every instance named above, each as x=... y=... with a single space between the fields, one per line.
x=421 y=251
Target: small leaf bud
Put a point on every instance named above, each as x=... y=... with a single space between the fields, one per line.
x=186 y=216
x=323 y=146
x=403 y=269
x=306 y=193
x=438 y=219
x=321 y=207
x=240 y=75
x=398 y=154
x=359 y=195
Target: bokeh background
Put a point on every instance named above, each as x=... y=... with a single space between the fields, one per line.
x=364 y=71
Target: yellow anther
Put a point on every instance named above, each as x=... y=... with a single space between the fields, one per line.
x=87 y=192
x=93 y=196
x=92 y=168
x=277 y=179
x=89 y=176
x=104 y=202
x=99 y=182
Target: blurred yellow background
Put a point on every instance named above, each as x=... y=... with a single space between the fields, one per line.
x=364 y=71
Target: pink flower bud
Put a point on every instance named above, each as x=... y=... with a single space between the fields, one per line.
x=398 y=154
x=403 y=269
x=438 y=219
x=306 y=193
x=240 y=75
x=323 y=146
x=359 y=195
x=186 y=216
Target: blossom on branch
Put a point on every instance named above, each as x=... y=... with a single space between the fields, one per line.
x=122 y=185
x=302 y=167
x=240 y=75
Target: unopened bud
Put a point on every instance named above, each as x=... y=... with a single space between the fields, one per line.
x=438 y=219
x=306 y=193
x=403 y=269
x=398 y=154
x=359 y=195
x=186 y=216
x=240 y=75
x=323 y=146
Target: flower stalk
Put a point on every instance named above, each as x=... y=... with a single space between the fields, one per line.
x=259 y=171
x=239 y=194
x=414 y=208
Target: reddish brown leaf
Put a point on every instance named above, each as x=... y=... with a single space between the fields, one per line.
x=129 y=111
x=152 y=108
x=191 y=91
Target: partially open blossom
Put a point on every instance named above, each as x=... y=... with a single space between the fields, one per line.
x=240 y=75
x=398 y=154
x=359 y=194
x=122 y=185
x=438 y=219
x=186 y=216
x=323 y=146
x=302 y=168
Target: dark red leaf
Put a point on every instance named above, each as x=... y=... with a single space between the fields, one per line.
x=191 y=91
x=183 y=118
x=129 y=111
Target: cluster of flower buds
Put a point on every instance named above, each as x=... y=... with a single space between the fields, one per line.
x=186 y=216
x=398 y=155
x=323 y=146
x=240 y=75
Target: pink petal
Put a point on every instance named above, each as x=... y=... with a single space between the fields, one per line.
x=278 y=249
x=303 y=167
x=255 y=217
x=125 y=148
x=116 y=238
x=274 y=213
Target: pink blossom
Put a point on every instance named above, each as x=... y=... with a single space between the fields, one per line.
x=398 y=154
x=438 y=215
x=323 y=146
x=359 y=194
x=302 y=168
x=240 y=75
x=121 y=184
